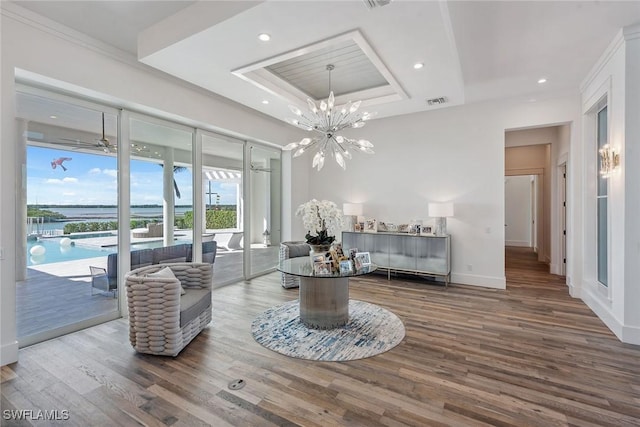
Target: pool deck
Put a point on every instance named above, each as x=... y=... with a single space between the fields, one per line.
x=58 y=294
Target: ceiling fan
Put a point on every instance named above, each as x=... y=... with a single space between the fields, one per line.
x=102 y=143
x=256 y=168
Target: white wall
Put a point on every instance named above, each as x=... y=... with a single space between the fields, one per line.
x=616 y=79
x=454 y=154
x=517 y=195
x=78 y=64
x=631 y=168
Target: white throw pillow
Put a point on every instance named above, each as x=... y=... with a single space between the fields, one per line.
x=166 y=273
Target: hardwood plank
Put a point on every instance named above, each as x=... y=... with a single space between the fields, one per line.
x=527 y=355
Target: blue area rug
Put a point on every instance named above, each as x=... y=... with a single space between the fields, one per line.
x=371 y=330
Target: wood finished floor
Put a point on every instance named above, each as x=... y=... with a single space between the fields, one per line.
x=530 y=355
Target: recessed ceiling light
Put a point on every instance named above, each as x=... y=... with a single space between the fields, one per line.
x=542 y=80
x=264 y=37
x=265 y=102
x=53 y=117
x=418 y=65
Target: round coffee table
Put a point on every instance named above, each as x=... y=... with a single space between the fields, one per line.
x=324 y=299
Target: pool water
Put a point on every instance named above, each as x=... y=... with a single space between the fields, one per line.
x=54 y=252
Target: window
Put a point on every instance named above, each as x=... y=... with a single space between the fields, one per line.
x=601 y=197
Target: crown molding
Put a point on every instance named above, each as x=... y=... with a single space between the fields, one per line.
x=631 y=32
x=44 y=24
x=604 y=59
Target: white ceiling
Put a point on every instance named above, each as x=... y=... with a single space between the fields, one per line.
x=472 y=50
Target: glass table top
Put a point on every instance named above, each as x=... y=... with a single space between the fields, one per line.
x=303 y=267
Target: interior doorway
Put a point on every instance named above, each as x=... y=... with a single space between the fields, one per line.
x=520 y=211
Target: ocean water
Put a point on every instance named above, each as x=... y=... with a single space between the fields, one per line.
x=112 y=212
x=97 y=214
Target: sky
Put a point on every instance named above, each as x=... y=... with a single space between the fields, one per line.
x=90 y=179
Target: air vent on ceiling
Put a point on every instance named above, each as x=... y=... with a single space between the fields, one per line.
x=372 y=4
x=436 y=101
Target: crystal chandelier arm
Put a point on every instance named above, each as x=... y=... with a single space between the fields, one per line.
x=348 y=120
x=340 y=119
x=328 y=120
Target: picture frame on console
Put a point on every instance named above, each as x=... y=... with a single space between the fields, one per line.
x=426 y=230
x=371 y=226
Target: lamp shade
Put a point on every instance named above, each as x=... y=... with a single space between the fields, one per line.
x=352 y=209
x=439 y=210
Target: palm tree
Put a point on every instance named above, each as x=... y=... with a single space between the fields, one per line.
x=176 y=169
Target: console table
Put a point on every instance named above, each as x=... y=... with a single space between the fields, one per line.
x=324 y=300
x=428 y=255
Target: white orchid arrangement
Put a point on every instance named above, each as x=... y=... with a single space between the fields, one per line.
x=322 y=220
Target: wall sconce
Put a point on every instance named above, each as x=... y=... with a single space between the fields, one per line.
x=609 y=160
x=352 y=211
x=440 y=211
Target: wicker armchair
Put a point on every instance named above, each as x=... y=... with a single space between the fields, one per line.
x=292 y=250
x=161 y=321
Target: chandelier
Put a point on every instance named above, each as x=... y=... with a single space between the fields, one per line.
x=328 y=121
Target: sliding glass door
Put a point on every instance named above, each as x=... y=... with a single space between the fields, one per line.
x=265 y=169
x=160 y=184
x=171 y=184
x=68 y=225
x=223 y=204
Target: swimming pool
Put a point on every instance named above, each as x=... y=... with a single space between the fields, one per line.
x=55 y=252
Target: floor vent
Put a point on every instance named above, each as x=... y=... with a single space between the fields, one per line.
x=236 y=384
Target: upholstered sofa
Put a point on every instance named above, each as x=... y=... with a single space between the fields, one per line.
x=161 y=320
x=106 y=280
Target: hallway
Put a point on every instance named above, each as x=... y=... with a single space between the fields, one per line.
x=522 y=269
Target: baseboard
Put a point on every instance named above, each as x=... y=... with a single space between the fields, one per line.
x=9 y=353
x=626 y=334
x=477 y=280
x=574 y=291
x=631 y=334
x=518 y=243
x=602 y=311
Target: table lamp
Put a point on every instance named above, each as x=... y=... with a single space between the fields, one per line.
x=351 y=211
x=440 y=211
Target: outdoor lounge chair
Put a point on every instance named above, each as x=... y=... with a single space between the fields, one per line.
x=234 y=242
x=106 y=279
